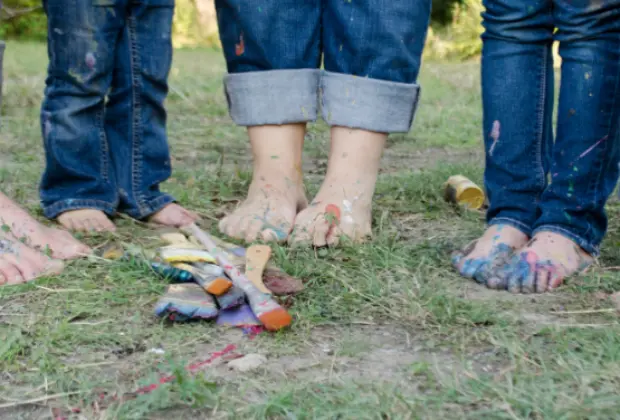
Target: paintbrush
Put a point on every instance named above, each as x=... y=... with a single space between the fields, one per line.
x=272 y=315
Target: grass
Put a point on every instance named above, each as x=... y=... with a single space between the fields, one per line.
x=383 y=330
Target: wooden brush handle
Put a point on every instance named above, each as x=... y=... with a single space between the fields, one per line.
x=256 y=258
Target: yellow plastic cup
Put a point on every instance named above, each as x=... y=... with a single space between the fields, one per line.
x=461 y=190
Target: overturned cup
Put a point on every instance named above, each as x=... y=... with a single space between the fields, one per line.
x=461 y=190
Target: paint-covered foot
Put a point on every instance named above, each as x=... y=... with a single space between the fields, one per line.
x=276 y=193
x=480 y=257
x=21 y=264
x=342 y=207
x=174 y=215
x=334 y=214
x=86 y=220
x=268 y=211
x=541 y=266
x=23 y=226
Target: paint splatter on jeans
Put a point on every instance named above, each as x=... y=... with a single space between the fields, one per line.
x=103 y=119
x=536 y=183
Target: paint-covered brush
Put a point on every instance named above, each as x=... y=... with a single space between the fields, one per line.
x=274 y=278
x=174 y=254
x=183 y=302
x=233 y=298
x=268 y=311
x=242 y=316
x=212 y=283
x=256 y=259
x=173 y=273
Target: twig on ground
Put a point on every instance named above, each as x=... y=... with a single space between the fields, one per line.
x=44 y=398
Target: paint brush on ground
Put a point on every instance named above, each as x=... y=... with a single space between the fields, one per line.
x=274 y=278
x=234 y=298
x=268 y=311
x=256 y=259
x=186 y=301
x=216 y=284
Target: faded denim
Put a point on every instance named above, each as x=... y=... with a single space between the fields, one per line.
x=103 y=118
x=370 y=50
x=536 y=183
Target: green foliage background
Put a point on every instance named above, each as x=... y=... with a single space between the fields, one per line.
x=454 y=34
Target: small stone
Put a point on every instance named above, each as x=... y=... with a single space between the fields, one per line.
x=248 y=362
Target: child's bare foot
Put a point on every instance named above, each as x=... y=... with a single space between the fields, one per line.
x=86 y=220
x=276 y=193
x=174 y=215
x=343 y=204
x=20 y=264
x=480 y=257
x=23 y=226
x=541 y=266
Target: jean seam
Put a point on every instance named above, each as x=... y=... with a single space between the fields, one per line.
x=105 y=152
x=136 y=109
x=517 y=224
x=541 y=122
x=65 y=205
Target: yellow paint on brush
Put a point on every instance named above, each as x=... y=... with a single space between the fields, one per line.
x=188 y=255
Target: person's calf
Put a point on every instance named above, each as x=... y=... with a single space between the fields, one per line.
x=276 y=193
x=540 y=266
x=343 y=205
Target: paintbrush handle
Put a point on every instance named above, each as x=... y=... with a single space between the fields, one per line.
x=261 y=303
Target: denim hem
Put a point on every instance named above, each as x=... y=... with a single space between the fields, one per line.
x=59 y=207
x=272 y=97
x=150 y=207
x=587 y=246
x=525 y=229
x=369 y=104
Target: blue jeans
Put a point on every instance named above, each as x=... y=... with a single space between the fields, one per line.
x=535 y=183
x=371 y=51
x=103 y=118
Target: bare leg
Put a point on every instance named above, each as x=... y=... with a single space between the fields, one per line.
x=344 y=202
x=276 y=193
x=22 y=225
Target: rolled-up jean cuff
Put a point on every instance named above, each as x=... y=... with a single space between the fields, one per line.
x=369 y=104
x=588 y=246
x=520 y=226
x=273 y=97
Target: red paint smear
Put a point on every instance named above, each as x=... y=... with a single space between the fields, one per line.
x=334 y=211
x=191 y=368
x=240 y=47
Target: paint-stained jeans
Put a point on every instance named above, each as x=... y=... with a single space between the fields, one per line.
x=534 y=183
x=103 y=118
x=371 y=53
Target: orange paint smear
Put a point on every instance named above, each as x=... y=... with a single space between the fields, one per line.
x=334 y=211
x=240 y=47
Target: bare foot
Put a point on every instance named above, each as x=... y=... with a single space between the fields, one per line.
x=343 y=204
x=23 y=226
x=480 y=257
x=173 y=215
x=20 y=264
x=276 y=193
x=541 y=266
x=86 y=220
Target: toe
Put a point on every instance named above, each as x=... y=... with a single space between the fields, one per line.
x=319 y=236
x=10 y=272
x=334 y=235
x=274 y=235
x=542 y=281
x=253 y=230
x=555 y=281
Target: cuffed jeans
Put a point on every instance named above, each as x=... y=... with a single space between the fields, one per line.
x=371 y=52
x=534 y=183
x=110 y=155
